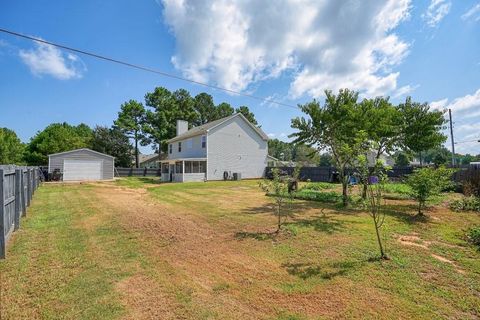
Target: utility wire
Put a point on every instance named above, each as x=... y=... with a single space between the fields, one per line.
x=151 y=70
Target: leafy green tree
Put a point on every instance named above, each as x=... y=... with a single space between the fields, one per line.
x=246 y=112
x=114 y=142
x=205 y=109
x=325 y=160
x=426 y=183
x=305 y=155
x=402 y=159
x=421 y=128
x=382 y=122
x=131 y=119
x=159 y=118
x=57 y=137
x=165 y=109
x=334 y=127
x=280 y=149
x=223 y=110
x=11 y=148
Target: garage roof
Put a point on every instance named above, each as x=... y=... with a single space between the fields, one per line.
x=81 y=149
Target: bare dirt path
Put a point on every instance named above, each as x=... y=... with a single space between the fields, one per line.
x=206 y=264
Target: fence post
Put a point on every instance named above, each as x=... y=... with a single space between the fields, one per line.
x=2 y=217
x=23 y=195
x=18 y=198
x=29 y=187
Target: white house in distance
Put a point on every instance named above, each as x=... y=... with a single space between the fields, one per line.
x=225 y=147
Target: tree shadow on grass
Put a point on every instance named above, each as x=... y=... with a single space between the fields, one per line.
x=321 y=223
x=327 y=271
x=150 y=180
x=406 y=213
x=261 y=236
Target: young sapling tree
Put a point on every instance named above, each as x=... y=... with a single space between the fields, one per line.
x=374 y=196
x=426 y=183
x=278 y=188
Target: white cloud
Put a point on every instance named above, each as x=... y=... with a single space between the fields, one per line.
x=469 y=102
x=436 y=11
x=472 y=13
x=48 y=60
x=322 y=44
x=405 y=90
x=466 y=120
x=439 y=105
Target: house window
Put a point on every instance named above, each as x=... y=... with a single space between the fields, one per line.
x=204 y=142
x=179 y=147
x=170 y=148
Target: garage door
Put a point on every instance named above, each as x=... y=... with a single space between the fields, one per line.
x=82 y=170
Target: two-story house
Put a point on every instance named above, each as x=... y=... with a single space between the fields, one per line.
x=216 y=150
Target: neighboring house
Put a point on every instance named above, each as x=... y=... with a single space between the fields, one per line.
x=150 y=161
x=82 y=164
x=211 y=151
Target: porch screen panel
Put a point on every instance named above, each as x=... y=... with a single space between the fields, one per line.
x=188 y=166
x=178 y=167
x=203 y=166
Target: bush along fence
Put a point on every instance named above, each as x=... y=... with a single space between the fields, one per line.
x=17 y=186
x=137 y=172
x=330 y=174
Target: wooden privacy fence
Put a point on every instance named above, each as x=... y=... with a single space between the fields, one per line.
x=137 y=172
x=17 y=186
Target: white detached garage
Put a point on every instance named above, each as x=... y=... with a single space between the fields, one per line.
x=82 y=164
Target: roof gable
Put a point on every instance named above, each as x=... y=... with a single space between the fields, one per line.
x=81 y=149
x=203 y=129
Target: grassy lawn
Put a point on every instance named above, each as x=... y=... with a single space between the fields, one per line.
x=140 y=249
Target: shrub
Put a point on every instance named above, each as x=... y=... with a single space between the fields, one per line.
x=312 y=195
x=318 y=186
x=466 y=204
x=400 y=188
x=427 y=183
x=473 y=235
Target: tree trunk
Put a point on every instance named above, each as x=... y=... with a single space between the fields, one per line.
x=379 y=239
x=364 y=191
x=279 y=218
x=344 y=189
x=420 y=213
x=136 y=150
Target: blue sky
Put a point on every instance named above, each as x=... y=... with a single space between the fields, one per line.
x=290 y=51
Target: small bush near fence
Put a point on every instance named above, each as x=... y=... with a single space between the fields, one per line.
x=466 y=204
x=473 y=235
x=17 y=186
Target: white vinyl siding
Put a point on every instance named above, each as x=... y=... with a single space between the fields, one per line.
x=196 y=151
x=235 y=146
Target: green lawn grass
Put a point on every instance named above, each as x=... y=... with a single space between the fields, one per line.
x=221 y=260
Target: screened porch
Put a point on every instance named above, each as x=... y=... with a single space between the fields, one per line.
x=184 y=170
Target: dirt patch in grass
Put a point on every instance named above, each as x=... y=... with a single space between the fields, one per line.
x=144 y=299
x=204 y=256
